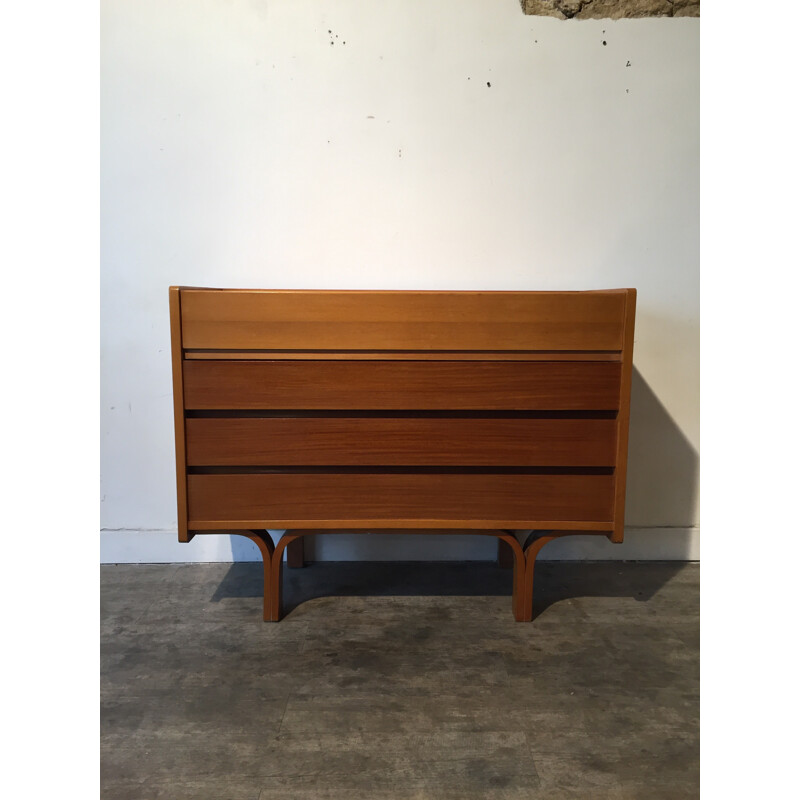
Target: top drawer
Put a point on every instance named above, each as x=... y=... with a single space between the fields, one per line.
x=234 y=319
x=403 y=385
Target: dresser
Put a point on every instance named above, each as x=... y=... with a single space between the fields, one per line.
x=502 y=414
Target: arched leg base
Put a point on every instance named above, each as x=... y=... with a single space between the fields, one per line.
x=273 y=607
x=518 y=575
x=532 y=547
x=295 y=554
x=505 y=556
x=524 y=561
x=264 y=543
x=276 y=578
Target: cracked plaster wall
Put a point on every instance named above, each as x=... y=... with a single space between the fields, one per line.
x=611 y=9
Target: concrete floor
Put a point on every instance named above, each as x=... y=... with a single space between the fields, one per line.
x=400 y=681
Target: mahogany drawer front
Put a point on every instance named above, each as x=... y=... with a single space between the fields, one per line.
x=402 y=441
x=402 y=385
x=277 y=499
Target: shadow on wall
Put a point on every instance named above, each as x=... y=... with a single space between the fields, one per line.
x=663 y=466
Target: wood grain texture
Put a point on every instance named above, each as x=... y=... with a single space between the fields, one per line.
x=325 y=496
x=386 y=320
x=412 y=441
x=400 y=525
x=505 y=556
x=295 y=554
x=402 y=355
x=417 y=411
x=265 y=545
x=480 y=385
x=621 y=459
x=184 y=535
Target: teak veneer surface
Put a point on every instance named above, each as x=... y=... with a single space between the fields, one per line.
x=375 y=320
x=345 y=441
x=543 y=385
x=393 y=496
x=376 y=410
x=403 y=355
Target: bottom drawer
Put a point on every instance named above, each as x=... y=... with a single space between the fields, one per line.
x=305 y=499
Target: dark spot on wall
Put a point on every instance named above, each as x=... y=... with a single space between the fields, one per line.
x=604 y=43
x=489 y=84
x=628 y=64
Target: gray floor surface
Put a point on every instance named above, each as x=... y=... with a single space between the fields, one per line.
x=402 y=681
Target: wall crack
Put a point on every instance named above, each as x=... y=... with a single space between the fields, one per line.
x=611 y=9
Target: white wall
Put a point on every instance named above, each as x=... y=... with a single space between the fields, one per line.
x=241 y=148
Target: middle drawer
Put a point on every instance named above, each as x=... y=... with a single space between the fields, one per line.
x=402 y=385
x=343 y=440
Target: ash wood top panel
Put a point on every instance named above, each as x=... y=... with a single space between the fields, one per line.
x=374 y=496
x=385 y=320
x=358 y=441
x=402 y=385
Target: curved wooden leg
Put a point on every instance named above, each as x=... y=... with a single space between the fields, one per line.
x=295 y=554
x=264 y=543
x=533 y=545
x=505 y=558
x=532 y=549
x=276 y=595
x=518 y=597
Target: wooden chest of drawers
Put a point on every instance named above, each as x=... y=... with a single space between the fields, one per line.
x=487 y=412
